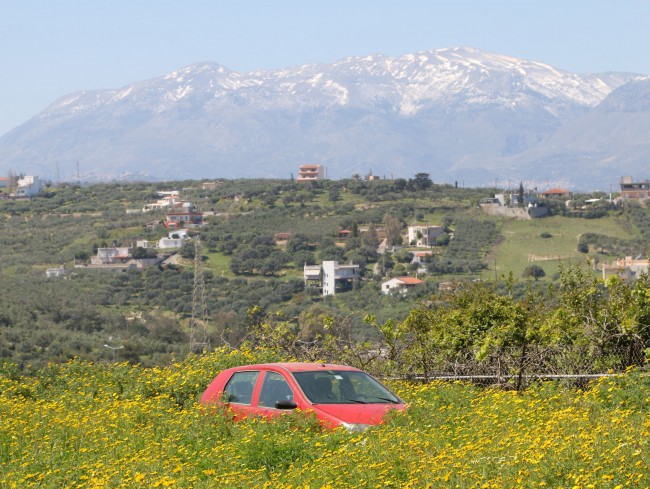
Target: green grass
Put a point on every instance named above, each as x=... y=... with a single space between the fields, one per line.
x=523 y=245
x=219 y=264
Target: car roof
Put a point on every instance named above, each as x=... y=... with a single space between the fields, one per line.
x=298 y=366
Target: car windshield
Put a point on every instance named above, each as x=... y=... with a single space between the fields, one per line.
x=343 y=387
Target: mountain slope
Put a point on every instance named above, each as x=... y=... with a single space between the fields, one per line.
x=455 y=113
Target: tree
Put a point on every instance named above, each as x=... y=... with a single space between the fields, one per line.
x=421 y=181
x=604 y=316
x=334 y=194
x=187 y=250
x=369 y=238
x=297 y=242
x=393 y=229
x=400 y=184
x=534 y=271
x=442 y=240
x=141 y=253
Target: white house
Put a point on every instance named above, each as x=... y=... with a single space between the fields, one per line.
x=338 y=277
x=421 y=257
x=399 y=285
x=166 y=202
x=107 y=256
x=424 y=235
x=174 y=239
x=55 y=272
x=143 y=243
x=28 y=186
x=165 y=243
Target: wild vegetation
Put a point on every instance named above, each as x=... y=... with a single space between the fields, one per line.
x=145 y=314
x=117 y=425
x=97 y=388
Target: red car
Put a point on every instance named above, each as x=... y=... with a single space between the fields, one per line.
x=337 y=394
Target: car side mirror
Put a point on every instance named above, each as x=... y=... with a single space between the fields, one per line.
x=285 y=404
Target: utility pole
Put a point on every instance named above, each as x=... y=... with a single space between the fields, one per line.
x=199 y=339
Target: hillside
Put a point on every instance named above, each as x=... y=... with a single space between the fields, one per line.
x=146 y=313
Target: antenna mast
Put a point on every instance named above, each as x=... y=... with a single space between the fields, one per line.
x=199 y=339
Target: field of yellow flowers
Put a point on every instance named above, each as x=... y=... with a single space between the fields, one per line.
x=80 y=425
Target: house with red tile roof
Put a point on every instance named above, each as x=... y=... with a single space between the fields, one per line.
x=557 y=192
x=399 y=285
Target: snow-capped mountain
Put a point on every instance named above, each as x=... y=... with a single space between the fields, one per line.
x=457 y=114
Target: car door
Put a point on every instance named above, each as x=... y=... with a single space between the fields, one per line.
x=275 y=389
x=239 y=393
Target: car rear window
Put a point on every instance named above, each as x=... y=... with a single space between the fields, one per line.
x=239 y=388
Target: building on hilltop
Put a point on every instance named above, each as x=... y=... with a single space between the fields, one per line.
x=311 y=173
x=634 y=190
x=507 y=204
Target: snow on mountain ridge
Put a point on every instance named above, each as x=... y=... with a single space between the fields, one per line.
x=404 y=84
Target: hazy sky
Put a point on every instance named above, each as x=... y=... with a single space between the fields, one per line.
x=49 y=48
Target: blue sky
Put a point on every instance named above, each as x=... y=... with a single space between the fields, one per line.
x=51 y=48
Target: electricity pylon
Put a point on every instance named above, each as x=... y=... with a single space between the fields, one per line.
x=199 y=339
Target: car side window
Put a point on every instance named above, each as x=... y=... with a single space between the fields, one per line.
x=274 y=388
x=239 y=388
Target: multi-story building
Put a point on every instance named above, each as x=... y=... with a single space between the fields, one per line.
x=338 y=277
x=186 y=216
x=424 y=235
x=311 y=173
x=627 y=268
x=331 y=276
x=634 y=190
